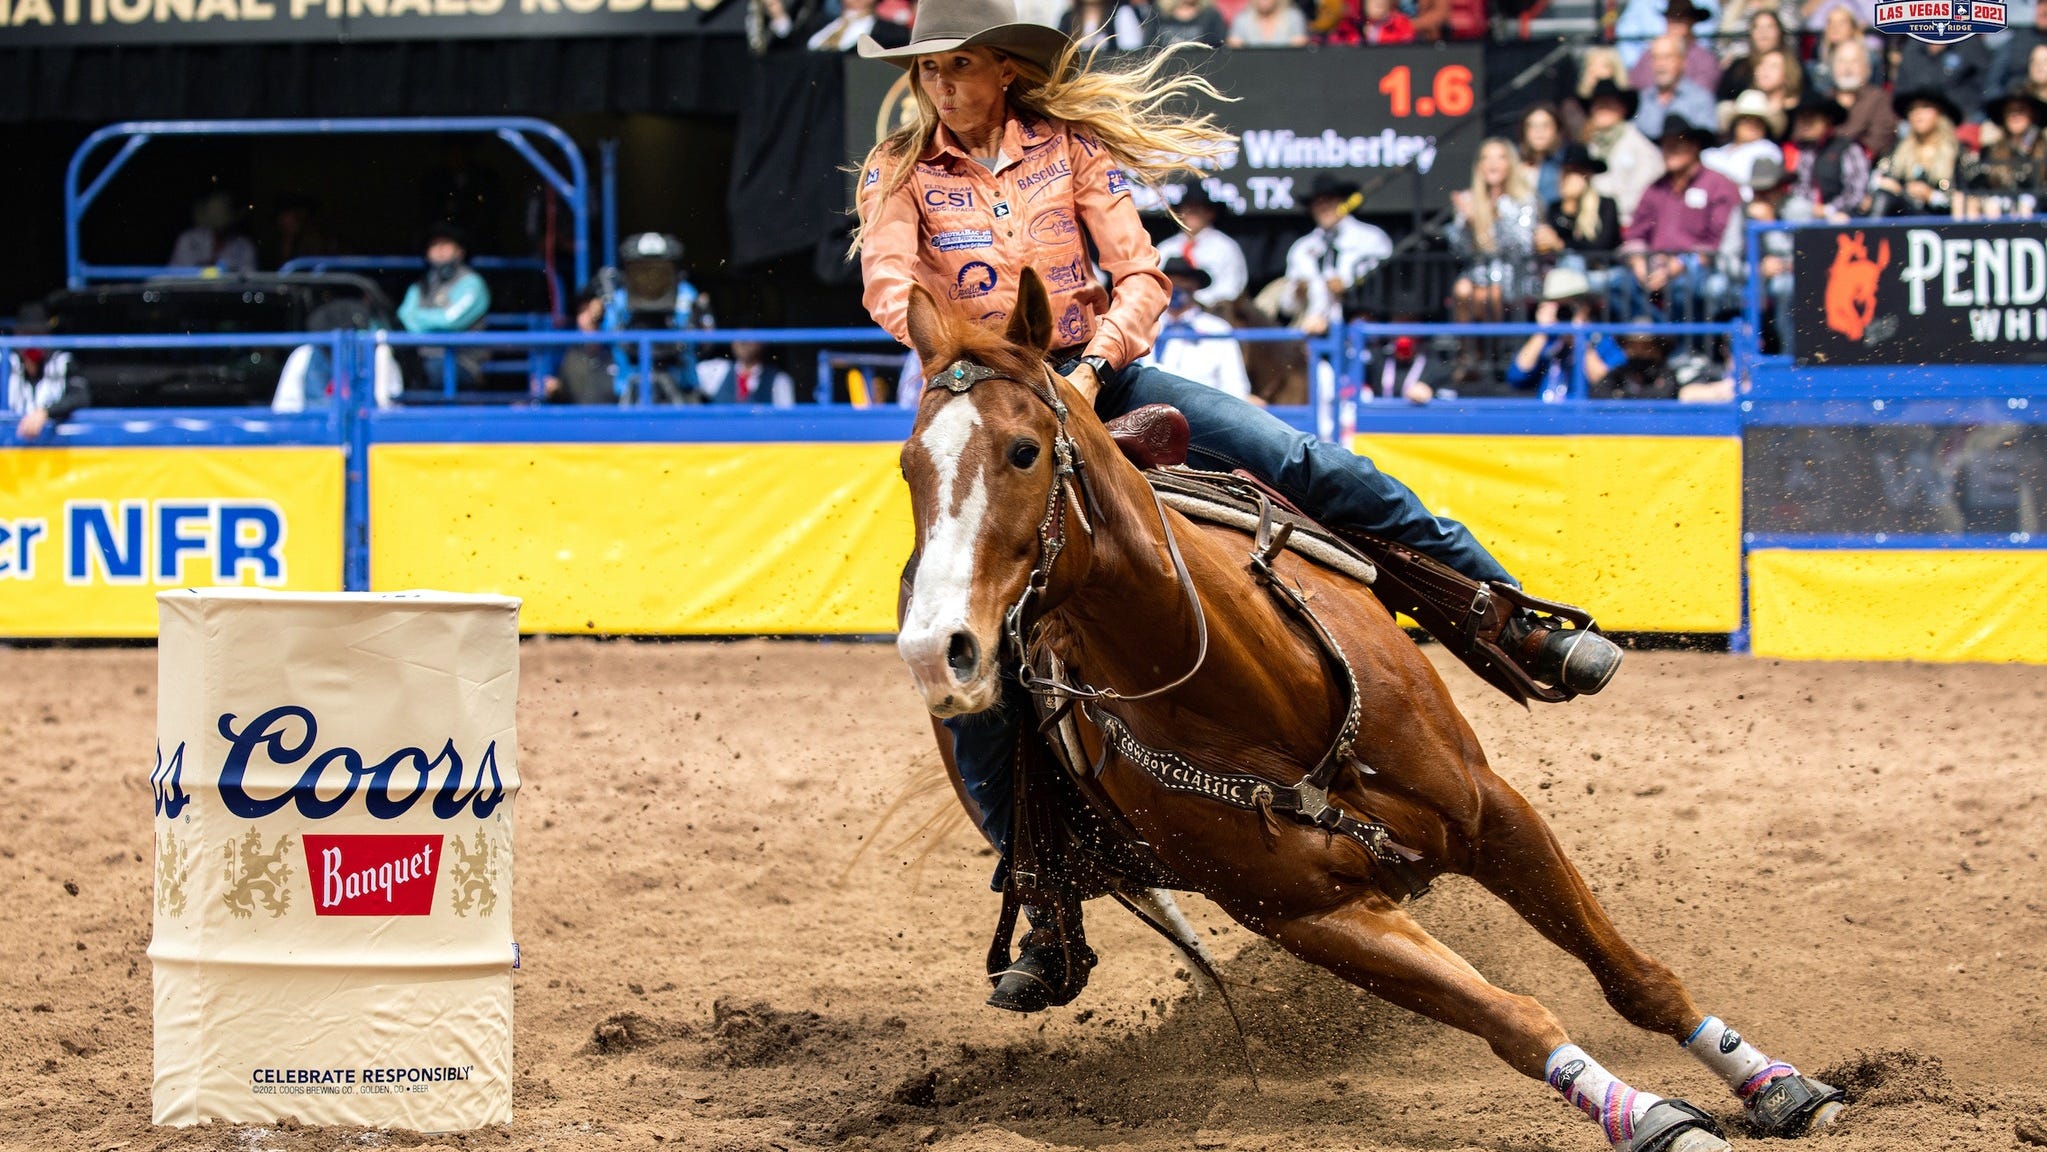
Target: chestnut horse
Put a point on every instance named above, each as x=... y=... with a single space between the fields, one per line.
x=985 y=463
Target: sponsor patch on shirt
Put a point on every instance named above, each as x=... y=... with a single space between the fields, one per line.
x=976 y=279
x=1118 y=183
x=1001 y=209
x=962 y=239
x=1053 y=227
x=873 y=178
x=1073 y=324
x=948 y=198
x=1036 y=182
x=1068 y=276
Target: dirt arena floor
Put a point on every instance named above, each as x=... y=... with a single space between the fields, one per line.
x=1843 y=861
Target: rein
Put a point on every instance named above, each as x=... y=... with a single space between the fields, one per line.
x=1070 y=487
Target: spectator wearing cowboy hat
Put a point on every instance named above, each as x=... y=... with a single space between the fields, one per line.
x=1206 y=247
x=1830 y=178
x=1958 y=70
x=1548 y=360
x=1324 y=264
x=1768 y=186
x=1670 y=93
x=1218 y=360
x=1682 y=21
x=1582 y=228
x=2011 y=166
x=450 y=297
x=1632 y=161
x=1676 y=234
x=1918 y=177
x=1752 y=123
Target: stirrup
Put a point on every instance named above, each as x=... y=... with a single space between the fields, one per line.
x=1040 y=978
x=1789 y=1105
x=1675 y=1126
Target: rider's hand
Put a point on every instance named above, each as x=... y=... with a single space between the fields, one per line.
x=32 y=423
x=1085 y=381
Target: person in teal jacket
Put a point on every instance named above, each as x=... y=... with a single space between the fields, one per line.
x=451 y=297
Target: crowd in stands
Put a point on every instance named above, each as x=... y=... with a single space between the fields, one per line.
x=1620 y=198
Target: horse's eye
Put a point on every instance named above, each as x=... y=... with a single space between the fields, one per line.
x=1023 y=453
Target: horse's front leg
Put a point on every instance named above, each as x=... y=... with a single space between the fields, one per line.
x=1377 y=946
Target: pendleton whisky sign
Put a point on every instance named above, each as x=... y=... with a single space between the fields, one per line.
x=130 y=22
x=1947 y=293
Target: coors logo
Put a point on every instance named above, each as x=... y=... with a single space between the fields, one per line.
x=332 y=777
x=373 y=875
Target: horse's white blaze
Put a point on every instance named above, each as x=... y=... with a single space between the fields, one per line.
x=942 y=591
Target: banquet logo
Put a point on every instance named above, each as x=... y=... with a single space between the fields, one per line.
x=372 y=875
x=1939 y=21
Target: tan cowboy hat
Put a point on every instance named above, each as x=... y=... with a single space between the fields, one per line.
x=1754 y=104
x=943 y=25
x=1561 y=284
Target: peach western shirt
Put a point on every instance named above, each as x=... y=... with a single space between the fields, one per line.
x=965 y=233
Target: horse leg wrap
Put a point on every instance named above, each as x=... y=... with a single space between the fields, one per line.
x=1601 y=1095
x=1777 y=1097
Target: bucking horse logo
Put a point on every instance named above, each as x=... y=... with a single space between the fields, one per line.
x=257 y=877
x=1851 y=284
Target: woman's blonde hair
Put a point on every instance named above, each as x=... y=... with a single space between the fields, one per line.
x=1516 y=186
x=1585 y=225
x=1136 y=111
x=1586 y=79
x=1936 y=158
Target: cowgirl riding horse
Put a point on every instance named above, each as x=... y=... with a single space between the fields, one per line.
x=1021 y=156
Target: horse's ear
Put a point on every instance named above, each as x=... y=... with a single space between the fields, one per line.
x=1030 y=323
x=928 y=332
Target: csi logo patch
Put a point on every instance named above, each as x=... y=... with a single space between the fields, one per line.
x=949 y=198
x=1045 y=177
x=373 y=875
x=963 y=239
x=1067 y=276
x=1073 y=324
x=1567 y=1075
x=1118 y=183
x=975 y=280
x=1729 y=1041
x=1053 y=227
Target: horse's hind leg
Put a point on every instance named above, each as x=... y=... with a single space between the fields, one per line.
x=1520 y=861
x=1380 y=948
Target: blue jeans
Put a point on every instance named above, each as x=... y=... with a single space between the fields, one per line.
x=1330 y=483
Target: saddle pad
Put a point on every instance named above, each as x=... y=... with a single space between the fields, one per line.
x=1233 y=502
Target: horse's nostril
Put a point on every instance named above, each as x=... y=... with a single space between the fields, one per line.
x=963 y=655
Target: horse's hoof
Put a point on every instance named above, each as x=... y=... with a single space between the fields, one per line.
x=1675 y=1126
x=1794 y=1105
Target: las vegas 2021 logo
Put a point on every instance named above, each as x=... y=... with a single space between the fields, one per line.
x=1939 y=21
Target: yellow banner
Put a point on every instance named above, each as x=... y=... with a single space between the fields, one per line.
x=1899 y=604
x=89 y=535
x=1644 y=532
x=650 y=538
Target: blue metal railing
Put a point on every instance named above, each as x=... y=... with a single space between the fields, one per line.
x=516 y=131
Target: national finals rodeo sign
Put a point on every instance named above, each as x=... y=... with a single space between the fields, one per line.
x=1962 y=293
x=135 y=22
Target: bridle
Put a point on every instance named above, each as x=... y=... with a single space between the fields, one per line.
x=1070 y=490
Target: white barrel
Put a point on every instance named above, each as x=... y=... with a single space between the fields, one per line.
x=333 y=858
